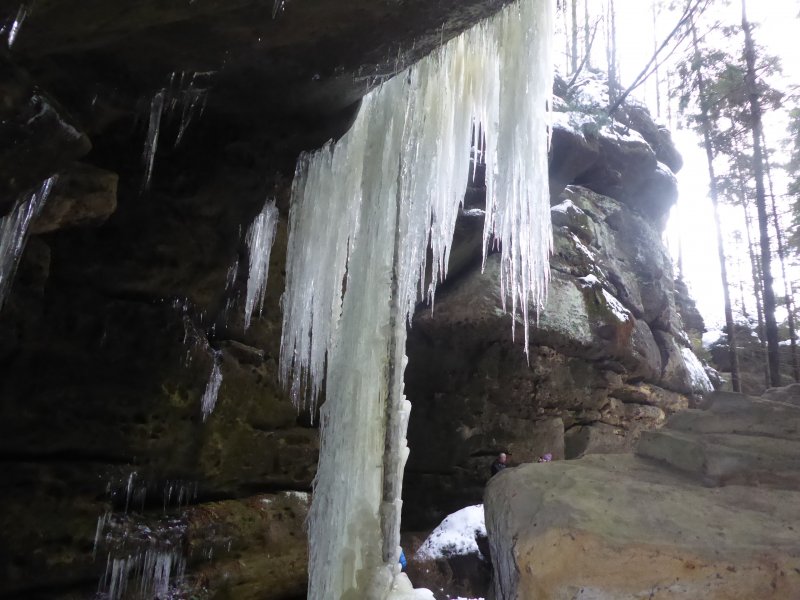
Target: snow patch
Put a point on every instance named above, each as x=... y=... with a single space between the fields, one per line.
x=590 y=92
x=616 y=307
x=589 y=281
x=622 y=313
x=303 y=497
x=456 y=535
x=572 y=121
x=582 y=248
x=566 y=206
x=622 y=134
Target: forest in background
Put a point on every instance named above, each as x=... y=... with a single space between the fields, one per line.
x=705 y=69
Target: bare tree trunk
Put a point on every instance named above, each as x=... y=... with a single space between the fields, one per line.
x=656 y=69
x=755 y=269
x=611 y=52
x=788 y=295
x=587 y=44
x=670 y=122
x=567 y=59
x=688 y=14
x=574 y=35
x=763 y=222
x=714 y=193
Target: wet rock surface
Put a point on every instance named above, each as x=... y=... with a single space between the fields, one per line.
x=38 y=136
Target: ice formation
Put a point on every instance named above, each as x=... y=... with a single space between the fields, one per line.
x=209 y=400
x=14 y=233
x=365 y=211
x=152 y=570
x=260 y=237
x=151 y=142
x=13 y=32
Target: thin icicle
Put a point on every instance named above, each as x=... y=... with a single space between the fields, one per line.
x=278 y=6
x=151 y=143
x=209 y=401
x=260 y=237
x=364 y=213
x=13 y=32
x=193 y=100
x=14 y=234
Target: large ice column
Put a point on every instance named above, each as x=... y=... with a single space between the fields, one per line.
x=364 y=213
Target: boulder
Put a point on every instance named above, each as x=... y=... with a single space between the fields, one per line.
x=597 y=438
x=83 y=195
x=637 y=117
x=626 y=155
x=734 y=440
x=704 y=509
x=37 y=137
x=616 y=526
x=789 y=394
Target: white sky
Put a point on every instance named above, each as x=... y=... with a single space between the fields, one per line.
x=691 y=223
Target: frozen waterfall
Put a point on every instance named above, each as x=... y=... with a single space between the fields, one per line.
x=364 y=212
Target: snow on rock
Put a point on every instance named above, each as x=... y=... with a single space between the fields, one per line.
x=590 y=91
x=620 y=133
x=572 y=121
x=622 y=313
x=584 y=250
x=567 y=207
x=589 y=281
x=455 y=535
x=697 y=374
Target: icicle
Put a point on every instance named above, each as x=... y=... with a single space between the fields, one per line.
x=22 y=14
x=151 y=143
x=209 y=400
x=150 y=552
x=260 y=237
x=193 y=100
x=364 y=213
x=278 y=6
x=14 y=234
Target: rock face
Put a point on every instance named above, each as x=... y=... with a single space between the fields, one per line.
x=608 y=358
x=705 y=509
x=629 y=158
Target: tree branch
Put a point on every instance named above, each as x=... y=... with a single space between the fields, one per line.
x=645 y=73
